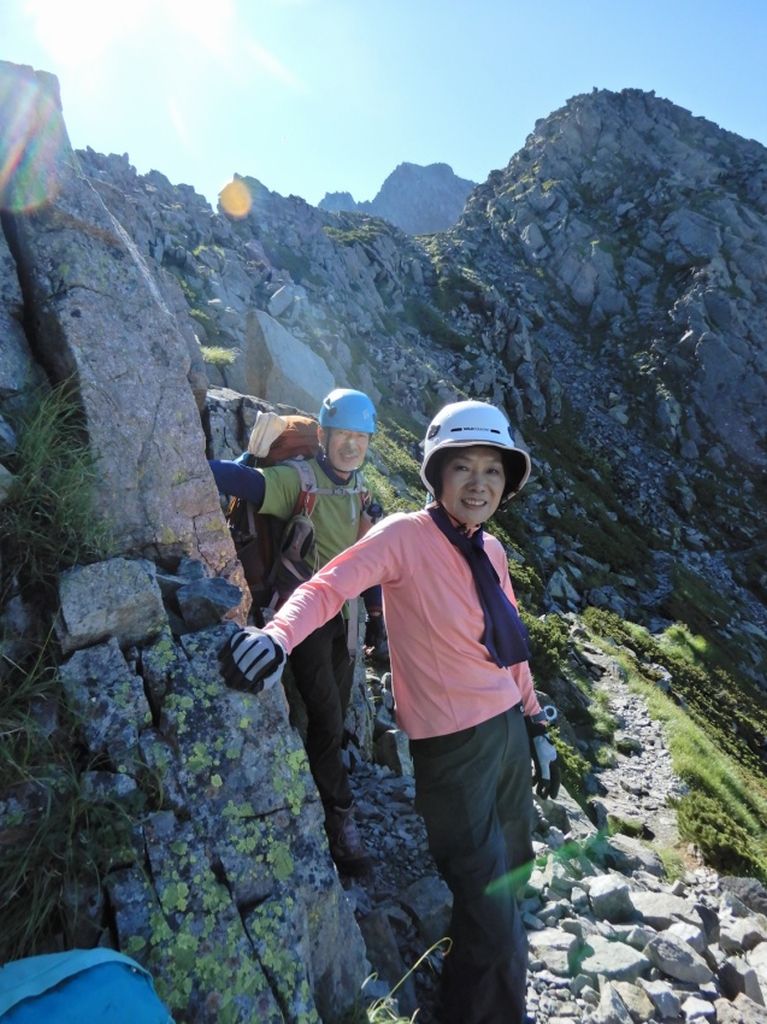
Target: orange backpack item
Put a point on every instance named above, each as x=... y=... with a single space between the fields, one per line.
x=298 y=440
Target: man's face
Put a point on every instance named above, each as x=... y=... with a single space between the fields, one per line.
x=345 y=449
x=472 y=484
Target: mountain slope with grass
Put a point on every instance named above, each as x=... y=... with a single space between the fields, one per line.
x=606 y=289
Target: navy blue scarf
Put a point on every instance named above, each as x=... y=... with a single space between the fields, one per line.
x=505 y=635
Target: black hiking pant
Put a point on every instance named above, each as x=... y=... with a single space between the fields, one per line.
x=473 y=790
x=323 y=672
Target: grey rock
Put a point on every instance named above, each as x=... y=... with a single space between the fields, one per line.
x=613 y=960
x=694 y=1008
x=6 y=485
x=108 y=700
x=8 y=438
x=757 y=959
x=660 y=909
x=392 y=750
x=101 y=320
x=282 y=300
x=627 y=854
x=278 y=367
x=636 y=999
x=108 y=787
x=663 y=997
x=609 y=898
x=430 y=902
x=738 y=935
x=195 y=903
x=206 y=602
x=612 y=1008
x=635 y=935
x=118 y=598
x=386 y=960
x=554 y=948
x=742 y=1010
x=750 y=891
x=19 y=374
x=162 y=766
x=689 y=933
x=677 y=959
x=735 y=975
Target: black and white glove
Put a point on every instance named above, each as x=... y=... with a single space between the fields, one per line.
x=546 y=776
x=252 y=660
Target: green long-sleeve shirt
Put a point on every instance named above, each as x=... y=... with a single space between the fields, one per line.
x=336 y=516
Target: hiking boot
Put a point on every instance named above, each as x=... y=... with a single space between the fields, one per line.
x=346 y=846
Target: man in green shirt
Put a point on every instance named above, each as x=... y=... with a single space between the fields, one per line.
x=322 y=665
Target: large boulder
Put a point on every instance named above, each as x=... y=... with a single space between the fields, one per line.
x=276 y=366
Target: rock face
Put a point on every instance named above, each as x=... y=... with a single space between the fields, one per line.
x=419 y=200
x=223 y=885
x=645 y=227
x=98 y=319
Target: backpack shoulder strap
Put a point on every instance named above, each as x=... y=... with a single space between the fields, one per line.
x=307 y=497
x=310 y=489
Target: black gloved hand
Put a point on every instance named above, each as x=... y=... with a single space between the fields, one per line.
x=546 y=776
x=252 y=660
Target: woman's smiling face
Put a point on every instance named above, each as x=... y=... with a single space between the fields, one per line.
x=472 y=483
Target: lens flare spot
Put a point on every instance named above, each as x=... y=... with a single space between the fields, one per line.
x=235 y=199
x=33 y=143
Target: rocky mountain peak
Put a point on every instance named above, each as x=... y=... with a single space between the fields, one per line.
x=638 y=227
x=419 y=200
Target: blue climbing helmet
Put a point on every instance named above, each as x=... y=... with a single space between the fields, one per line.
x=345 y=409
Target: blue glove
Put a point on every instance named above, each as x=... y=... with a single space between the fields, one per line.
x=252 y=660
x=546 y=776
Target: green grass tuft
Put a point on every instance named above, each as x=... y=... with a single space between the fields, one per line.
x=54 y=844
x=48 y=523
x=217 y=355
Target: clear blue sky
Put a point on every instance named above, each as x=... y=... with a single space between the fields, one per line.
x=311 y=96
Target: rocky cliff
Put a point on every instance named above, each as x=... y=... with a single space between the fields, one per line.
x=606 y=288
x=418 y=200
x=142 y=803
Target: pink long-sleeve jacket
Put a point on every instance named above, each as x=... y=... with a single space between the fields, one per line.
x=443 y=678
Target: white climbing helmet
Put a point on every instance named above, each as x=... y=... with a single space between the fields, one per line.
x=462 y=424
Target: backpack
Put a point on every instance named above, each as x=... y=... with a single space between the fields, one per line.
x=98 y=986
x=277 y=555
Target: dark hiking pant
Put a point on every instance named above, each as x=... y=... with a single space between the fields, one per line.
x=473 y=791
x=323 y=673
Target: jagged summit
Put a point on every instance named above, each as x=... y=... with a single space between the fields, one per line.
x=640 y=230
x=419 y=200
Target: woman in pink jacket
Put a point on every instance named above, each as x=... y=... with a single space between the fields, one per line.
x=462 y=688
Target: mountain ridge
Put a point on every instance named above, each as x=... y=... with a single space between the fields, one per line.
x=418 y=199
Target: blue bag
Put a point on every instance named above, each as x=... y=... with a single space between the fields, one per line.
x=82 y=985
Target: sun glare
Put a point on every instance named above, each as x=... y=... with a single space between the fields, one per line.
x=235 y=199
x=80 y=32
